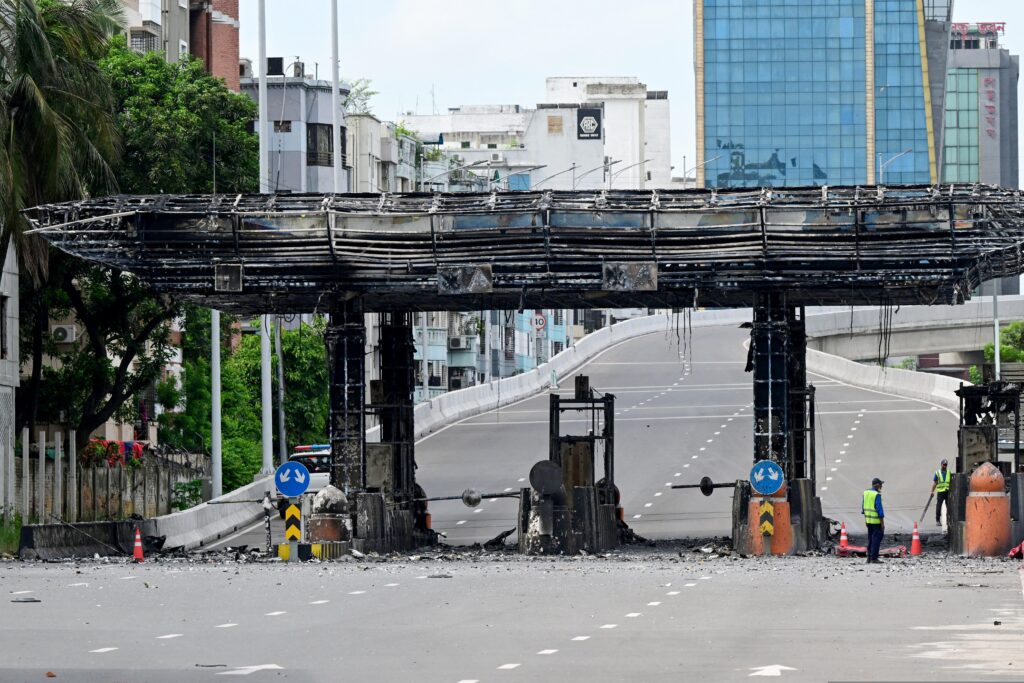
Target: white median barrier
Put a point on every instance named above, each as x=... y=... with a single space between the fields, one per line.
x=213 y=520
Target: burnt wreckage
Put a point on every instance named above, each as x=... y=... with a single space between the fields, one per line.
x=775 y=250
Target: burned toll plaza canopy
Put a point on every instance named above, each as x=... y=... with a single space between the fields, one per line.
x=586 y=249
x=774 y=250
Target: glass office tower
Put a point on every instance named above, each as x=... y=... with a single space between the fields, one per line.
x=818 y=92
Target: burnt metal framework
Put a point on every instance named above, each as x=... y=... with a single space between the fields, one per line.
x=985 y=411
x=395 y=410
x=587 y=249
x=346 y=359
x=600 y=410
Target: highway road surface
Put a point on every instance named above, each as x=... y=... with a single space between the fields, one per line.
x=683 y=411
x=497 y=618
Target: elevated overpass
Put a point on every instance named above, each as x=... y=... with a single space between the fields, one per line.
x=867 y=333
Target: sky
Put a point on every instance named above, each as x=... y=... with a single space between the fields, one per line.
x=425 y=56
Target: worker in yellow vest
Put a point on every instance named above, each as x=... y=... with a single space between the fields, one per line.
x=874 y=518
x=940 y=487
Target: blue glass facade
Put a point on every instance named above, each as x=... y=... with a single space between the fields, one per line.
x=785 y=92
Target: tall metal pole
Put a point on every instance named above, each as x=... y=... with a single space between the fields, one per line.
x=335 y=98
x=265 y=384
x=997 y=286
x=216 y=461
x=282 y=438
x=423 y=356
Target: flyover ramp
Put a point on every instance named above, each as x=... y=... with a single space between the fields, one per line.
x=854 y=332
x=692 y=418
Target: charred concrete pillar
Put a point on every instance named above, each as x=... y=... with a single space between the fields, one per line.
x=346 y=354
x=396 y=412
x=770 y=346
x=801 y=434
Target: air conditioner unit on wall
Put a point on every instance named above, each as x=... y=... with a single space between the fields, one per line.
x=497 y=157
x=64 y=334
x=456 y=343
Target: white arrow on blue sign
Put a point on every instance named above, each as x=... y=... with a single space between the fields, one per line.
x=292 y=479
x=766 y=477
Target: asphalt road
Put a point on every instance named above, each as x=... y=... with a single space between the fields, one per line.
x=629 y=617
x=683 y=411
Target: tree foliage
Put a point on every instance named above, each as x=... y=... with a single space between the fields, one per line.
x=1011 y=345
x=359 y=96
x=180 y=126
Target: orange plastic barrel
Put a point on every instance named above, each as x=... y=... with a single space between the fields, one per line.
x=987 y=521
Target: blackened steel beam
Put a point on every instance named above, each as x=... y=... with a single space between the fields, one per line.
x=398 y=377
x=346 y=358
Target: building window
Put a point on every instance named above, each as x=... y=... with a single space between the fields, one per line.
x=555 y=125
x=557 y=348
x=491 y=145
x=5 y=352
x=320 y=146
x=464 y=144
x=282 y=126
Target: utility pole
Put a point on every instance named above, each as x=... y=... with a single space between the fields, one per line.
x=335 y=98
x=264 y=133
x=216 y=462
x=282 y=438
x=997 y=286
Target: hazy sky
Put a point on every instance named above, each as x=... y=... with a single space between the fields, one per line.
x=428 y=55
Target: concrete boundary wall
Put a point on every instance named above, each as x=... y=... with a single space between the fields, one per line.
x=922 y=386
x=210 y=521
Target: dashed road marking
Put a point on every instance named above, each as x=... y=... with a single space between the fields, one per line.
x=647 y=505
x=717 y=433
x=824 y=488
x=319 y=602
x=678 y=474
x=633 y=615
x=547 y=652
x=689 y=585
x=102 y=650
x=657 y=494
x=637 y=516
x=356 y=592
x=828 y=478
x=610 y=626
x=672 y=593
x=228 y=625
x=169 y=636
x=477 y=511
x=508 y=667
x=274 y=614
x=390 y=585
x=460 y=522
x=20 y=592
x=653 y=604
x=686 y=465
x=694 y=457
x=581 y=638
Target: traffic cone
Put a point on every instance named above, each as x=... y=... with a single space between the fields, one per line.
x=915 y=542
x=138 y=546
x=843 y=540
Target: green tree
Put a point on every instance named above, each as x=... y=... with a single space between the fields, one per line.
x=359 y=96
x=180 y=126
x=1011 y=344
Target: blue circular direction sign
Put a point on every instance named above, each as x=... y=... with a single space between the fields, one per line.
x=291 y=479
x=766 y=477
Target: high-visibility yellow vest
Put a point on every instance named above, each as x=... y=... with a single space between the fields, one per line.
x=943 y=481
x=870 y=513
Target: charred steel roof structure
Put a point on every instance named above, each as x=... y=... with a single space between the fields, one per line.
x=291 y=252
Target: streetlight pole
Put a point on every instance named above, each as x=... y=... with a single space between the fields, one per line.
x=335 y=98
x=882 y=165
x=686 y=172
x=266 y=399
x=555 y=175
x=615 y=175
x=585 y=173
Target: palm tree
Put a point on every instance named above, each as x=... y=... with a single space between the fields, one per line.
x=59 y=136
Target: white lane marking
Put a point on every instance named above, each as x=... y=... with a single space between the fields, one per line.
x=694 y=457
x=678 y=474
x=390 y=585
x=356 y=592
x=228 y=625
x=828 y=478
x=170 y=636
x=833 y=469
x=824 y=488
x=853 y=429
x=657 y=494
x=508 y=667
x=470 y=680
x=581 y=638
x=846 y=444
x=102 y=650
x=460 y=522
x=521 y=479
x=672 y=593
x=128 y=578
x=689 y=585
x=75 y=585
x=610 y=626
x=246 y=670
x=20 y=592
x=934 y=408
x=647 y=505
x=507 y=489
x=841 y=453
x=717 y=433
x=856 y=422
x=711 y=440
x=633 y=615
x=653 y=604
x=319 y=602
x=547 y=652
x=729 y=420
x=668 y=484
x=478 y=511
x=274 y=614
x=636 y=516
x=849 y=436
x=703 y=448
x=839 y=459
x=686 y=465
x=721 y=426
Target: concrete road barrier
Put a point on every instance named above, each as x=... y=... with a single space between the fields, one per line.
x=213 y=520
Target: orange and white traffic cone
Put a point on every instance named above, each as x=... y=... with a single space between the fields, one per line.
x=915 y=542
x=138 y=546
x=843 y=540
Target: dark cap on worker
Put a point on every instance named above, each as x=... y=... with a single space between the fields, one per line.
x=945 y=462
x=877 y=482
